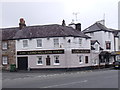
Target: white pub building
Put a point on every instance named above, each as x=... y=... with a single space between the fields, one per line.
x=51 y=46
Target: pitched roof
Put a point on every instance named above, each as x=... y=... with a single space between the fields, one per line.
x=96 y=27
x=41 y=31
x=116 y=32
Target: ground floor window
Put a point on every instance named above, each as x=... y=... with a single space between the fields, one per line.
x=56 y=60
x=80 y=59
x=39 y=61
x=5 y=60
x=86 y=59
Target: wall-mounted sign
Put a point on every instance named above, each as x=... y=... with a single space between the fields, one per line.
x=40 y=52
x=74 y=51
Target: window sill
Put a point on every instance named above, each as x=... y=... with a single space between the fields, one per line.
x=38 y=47
x=81 y=63
x=39 y=64
x=56 y=64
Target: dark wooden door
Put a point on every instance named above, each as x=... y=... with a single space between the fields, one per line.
x=48 y=61
x=22 y=63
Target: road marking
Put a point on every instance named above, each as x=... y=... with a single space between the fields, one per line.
x=84 y=81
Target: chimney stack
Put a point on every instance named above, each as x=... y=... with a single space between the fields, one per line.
x=22 y=23
x=63 y=23
x=76 y=26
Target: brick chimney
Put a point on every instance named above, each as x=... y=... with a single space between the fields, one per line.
x=22 y=23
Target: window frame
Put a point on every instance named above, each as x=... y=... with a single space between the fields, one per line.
x=25 y=45
x=4 y=47
x=80 y=41
x=3 y=60
x=38 y=59
x=40 y=43
x=81 y=58
x=56 y=44
x=56 y=58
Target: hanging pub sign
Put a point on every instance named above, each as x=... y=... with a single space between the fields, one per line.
x=40 y=52
x=74 y=51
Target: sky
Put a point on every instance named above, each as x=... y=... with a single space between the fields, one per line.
x=44 y=12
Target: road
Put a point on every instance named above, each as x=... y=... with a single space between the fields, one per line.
x=78 y=79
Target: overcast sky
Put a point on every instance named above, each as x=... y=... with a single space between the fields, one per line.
x=42 y=12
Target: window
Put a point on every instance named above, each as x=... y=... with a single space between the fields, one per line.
x=56 y=42
x=80 y=41
x=108 y=45
x=80 y=59
x=86 y=59
x=4 y=45
x=39 y=43
x=96 y=47
x=40 y=62
x=25 y=43
x=56 y=60
x=4 y=60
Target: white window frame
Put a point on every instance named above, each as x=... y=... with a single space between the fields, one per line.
x=96 y=47
x=56 y=58
x=80 y=41
x=39 y=43
x=56 y=42
x=80 y=58
x=4 y=60
x=39 y=58
x=4 y=45
x=25 y=43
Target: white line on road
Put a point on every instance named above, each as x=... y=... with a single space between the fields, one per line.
x=65 y=84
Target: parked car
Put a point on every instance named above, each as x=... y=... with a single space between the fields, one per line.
x=116 y=64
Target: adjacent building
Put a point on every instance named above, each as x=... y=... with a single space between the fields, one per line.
x=8 y=47
x=106 y=42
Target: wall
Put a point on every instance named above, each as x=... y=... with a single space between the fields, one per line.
x=102 y=36
x=66 y=60
x=11 y=53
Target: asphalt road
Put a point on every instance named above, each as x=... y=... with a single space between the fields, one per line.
x=78 y=79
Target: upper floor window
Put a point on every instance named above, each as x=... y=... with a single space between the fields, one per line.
x=4 y=45
x=39 y=42
x=25 y=43
x=56 y=42
x=4 y=60
x=80 y=41
x=108 y=45
x=96 y=47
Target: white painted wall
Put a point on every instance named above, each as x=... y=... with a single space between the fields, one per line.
x=102 y=36
x=67 y=60
x=48 y=44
